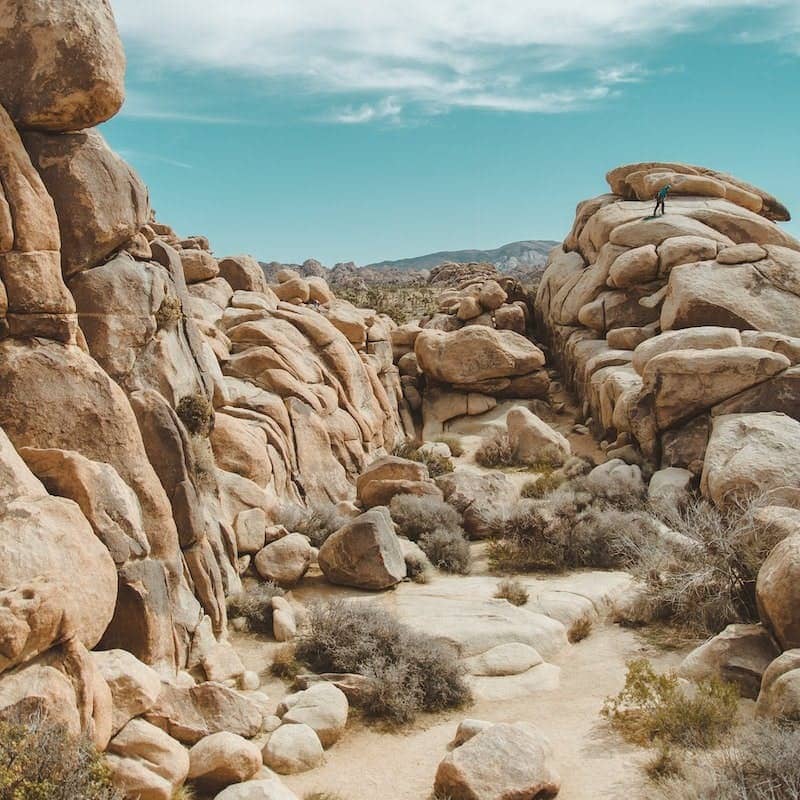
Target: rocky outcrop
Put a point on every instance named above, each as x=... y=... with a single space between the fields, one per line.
x=663 y=325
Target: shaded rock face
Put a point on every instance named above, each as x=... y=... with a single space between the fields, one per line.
x=701 y=294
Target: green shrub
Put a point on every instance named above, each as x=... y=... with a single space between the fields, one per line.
x=653 y=707
x=40 y=760
x=401 y=303
x=409 y=671
x=196 y=413
x=255 y=605
x=513 y=591
x=496 y=452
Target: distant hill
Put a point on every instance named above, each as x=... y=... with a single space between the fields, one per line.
x=506 y=258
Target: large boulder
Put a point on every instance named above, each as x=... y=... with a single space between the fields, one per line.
x=534 y=440
x=740 y=655
x=706 y=337
x=293 y=748
x=476 y=496
x=364 y=553
x=475 y=353
x=62 y=66
x=685 y=382
x=390 y=476
x=261 y=788
x=146 y=763
x=779 y=697
x=323 y=707
x=285 y=561
x=222 y=759
x=750 y=454
x=503 y=762
x=778 y=587
x=100 y=201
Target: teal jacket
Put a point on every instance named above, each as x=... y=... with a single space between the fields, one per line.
x=663 y=193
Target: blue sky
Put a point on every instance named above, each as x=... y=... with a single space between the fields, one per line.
x=372 y=129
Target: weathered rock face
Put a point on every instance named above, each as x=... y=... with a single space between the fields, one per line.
x=721 y=283
x=61 y=65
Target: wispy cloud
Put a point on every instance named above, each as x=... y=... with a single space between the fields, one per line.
x=416 y=56
x=139 y=156
x=140 y=107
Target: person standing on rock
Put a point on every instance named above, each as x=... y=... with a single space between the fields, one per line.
x=661 y=199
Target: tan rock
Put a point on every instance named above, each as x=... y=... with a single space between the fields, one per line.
x=469 y=308
x=198 y=265
x=243 y=273
x=753 y=454
x=295 y=290
x=284 y=561
x=364 y=553
x=250 y=527
x=62 y=67
x=492 y=295
x=323 y=707
x=702 y=338
x=135 y=687
x=260 y=788
x=292 y=749
x=779 y=697
x=503 y=762
x=241 y=448
x=222 y=759
x=533 y=439
x=634 y=267
x=100 y=201
x=475 y=353
x=741 y=254
x=684 y=250
x=777 y=589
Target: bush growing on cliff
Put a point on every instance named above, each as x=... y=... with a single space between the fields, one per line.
x=409 y=672
x=317 y=523
x=196 y=413
x=437 y=465
x=40 y=760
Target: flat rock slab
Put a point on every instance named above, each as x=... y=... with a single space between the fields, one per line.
x=541 y=678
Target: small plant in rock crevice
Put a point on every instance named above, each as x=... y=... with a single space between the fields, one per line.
x=513 y=591
x=196 y=413
x=255 y=606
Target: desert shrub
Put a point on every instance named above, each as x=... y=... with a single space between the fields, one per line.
x=285 y=664
x=667 y=762
x=761 y=764
x=417 y=568
x=415 y=516
x=542 y=486
x=317 y=523
x=169 y=312
x=580 y=629
x=437 y=465
x=196 y=413
x=436 y=527
x=184 y=792
x=401 y=303
x=447 y=549
x=409 y=671
x=322 y=796
x=513 y=591
x=566 y=531
x=454 y=443
x=653 y=707
x=40 y=760
x=496 y=452
x=255 y=606
x=705 y=578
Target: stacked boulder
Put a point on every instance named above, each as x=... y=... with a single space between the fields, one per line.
x=680 y=332
x=157 y=404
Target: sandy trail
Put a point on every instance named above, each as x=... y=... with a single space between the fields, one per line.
x=369 y=763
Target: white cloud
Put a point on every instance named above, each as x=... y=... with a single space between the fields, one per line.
x=511 y=55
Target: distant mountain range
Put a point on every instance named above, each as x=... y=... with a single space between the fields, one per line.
x=531 y=253
x=524 y=261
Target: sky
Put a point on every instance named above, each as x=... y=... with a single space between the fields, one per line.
x=364 y=130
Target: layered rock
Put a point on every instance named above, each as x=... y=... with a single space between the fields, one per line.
x=664 y=325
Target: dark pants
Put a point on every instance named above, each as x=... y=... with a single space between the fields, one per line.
x=659 y=204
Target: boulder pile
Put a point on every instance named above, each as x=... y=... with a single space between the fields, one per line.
x=680 y=332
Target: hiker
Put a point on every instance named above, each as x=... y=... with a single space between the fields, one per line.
x=660 y=198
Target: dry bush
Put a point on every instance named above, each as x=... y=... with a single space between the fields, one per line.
x=417 y=568
x=447 y=549
x=401 y=303
x=317 y=523
x=706 y=579
x=322 y=796
x=580 y=630
x=454 y=443
x=653 y=707
x=255 y=605
x=513 y=591
x=409 y=671
x=196 y=413
x=566 y=531
x=761 y=764
x=437 y=465
x=40 y=760
x=668 y=762
x=184 y=792
x=436 y=527
x=542 y=486
x=285 y=664
x=169 y=312
x=496 y=452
